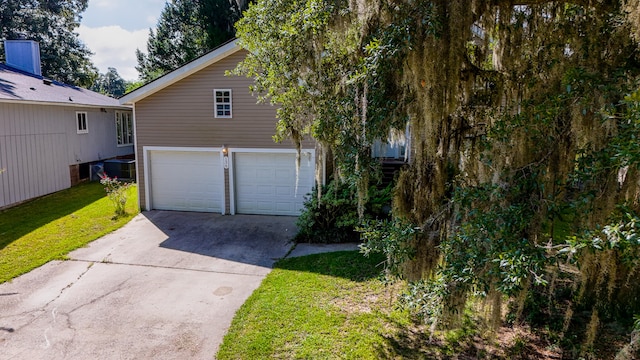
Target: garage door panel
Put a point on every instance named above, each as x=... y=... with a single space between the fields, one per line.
x=186 y=181
x=283 y=191
x=284 y=175
x=264 y=175
x=265 y=183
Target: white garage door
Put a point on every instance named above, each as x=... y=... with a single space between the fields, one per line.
x=186 y=181
x=265 y=183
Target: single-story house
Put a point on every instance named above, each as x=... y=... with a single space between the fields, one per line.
x=204 y=144
x=51 y=133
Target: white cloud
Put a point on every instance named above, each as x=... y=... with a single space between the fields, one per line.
x=115 y=47
x=152 y=20
x=105 y=3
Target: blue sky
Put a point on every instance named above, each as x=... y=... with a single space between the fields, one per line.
x=114 y=29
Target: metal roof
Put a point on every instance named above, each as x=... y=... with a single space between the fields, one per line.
x=20 y=86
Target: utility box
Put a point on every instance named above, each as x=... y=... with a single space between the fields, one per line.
x=120 y=168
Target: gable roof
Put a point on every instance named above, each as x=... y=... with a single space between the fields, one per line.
x=182 y=72
x=20 y=86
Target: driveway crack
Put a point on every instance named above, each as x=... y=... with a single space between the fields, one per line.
x=37 y=313
x=69 y=285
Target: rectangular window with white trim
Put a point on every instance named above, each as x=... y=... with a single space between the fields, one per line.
x=81 y=123
x=124 y=128
x=222 y=103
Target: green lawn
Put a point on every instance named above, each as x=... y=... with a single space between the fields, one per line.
x=323 y=306
x=335 y=306
x=48 y=228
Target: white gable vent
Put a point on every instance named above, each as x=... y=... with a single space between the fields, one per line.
x=23 y=55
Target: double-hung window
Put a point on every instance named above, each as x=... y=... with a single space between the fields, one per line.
x=222 y=103
x=124 y=128
x=81 y=123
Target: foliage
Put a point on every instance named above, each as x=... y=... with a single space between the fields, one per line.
x=47 y=228
x=308 y=58
x=110 y=83
x=185 y=31
x=393 y=238
x=333 y=217
x=117 y=191
x=52 y=23
x=524 y=133
x=132 y=85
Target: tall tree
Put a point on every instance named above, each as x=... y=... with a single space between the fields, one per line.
x=110 y=83
x=524 y=122
x=52 y=23
x=186 y=30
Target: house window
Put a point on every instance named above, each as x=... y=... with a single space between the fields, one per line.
x=81 y=123
x=124 y=128
x=222 y=103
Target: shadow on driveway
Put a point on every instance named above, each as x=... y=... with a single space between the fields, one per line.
x=239 y=244
x=249 y=239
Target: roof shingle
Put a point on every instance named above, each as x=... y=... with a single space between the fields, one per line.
x=16 y=85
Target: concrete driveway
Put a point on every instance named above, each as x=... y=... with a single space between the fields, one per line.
x=165 y=286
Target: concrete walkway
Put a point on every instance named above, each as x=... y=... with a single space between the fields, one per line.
x=304 y=249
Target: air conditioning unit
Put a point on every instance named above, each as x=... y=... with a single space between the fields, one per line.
x=120 y=168
x=96 y=171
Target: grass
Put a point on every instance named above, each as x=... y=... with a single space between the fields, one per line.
x=318 y=306
x=48 y=228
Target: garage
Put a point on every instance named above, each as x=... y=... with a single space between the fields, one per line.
x=265 y=183
x=186 y=181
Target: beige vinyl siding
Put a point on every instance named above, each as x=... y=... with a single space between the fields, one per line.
x=38 y=143
x=182 y=115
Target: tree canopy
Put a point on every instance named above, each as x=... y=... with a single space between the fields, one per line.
x=185 y=31
x=110 y=83
x=52 y=23
x=524 y=117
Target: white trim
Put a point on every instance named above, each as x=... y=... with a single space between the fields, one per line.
x=86 y=123
x=232 y=151
x=69 y=104
x=224 y=188
x=232 y=182
x=182 y=148
x=148 y=149
x=147 y=191
x=180 y=73
x=274 y=150
x=215 y=104
x=135 y=151
x=121 y=112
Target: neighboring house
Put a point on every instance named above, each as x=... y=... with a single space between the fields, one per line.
x=51 y=133
x=204 y=144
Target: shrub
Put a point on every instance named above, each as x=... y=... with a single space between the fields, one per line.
x=117 y=193
x=334 y=217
